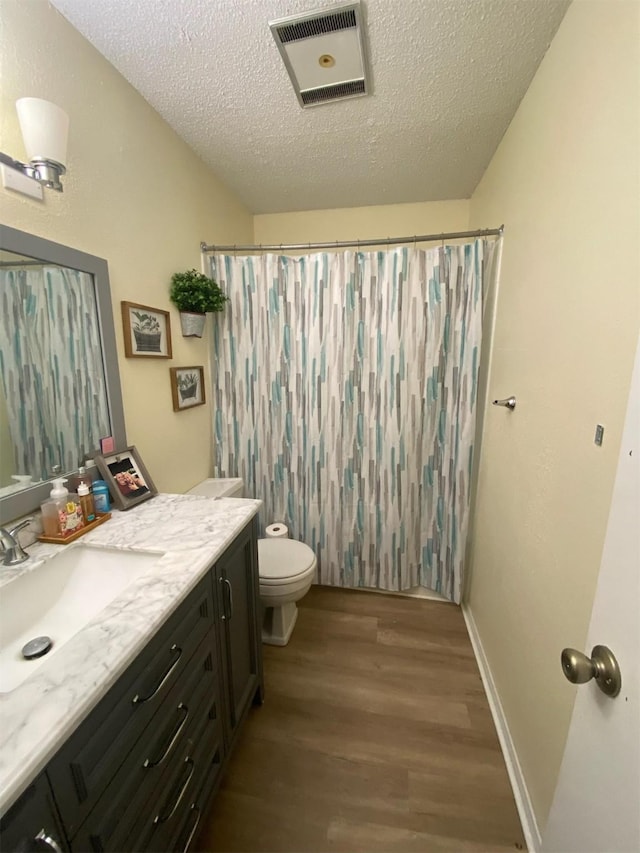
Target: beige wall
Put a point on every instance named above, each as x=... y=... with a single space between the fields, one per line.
x=353 y=223
x=565 y=181
x=134 y=194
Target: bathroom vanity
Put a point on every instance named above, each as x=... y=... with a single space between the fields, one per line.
x=120 y=741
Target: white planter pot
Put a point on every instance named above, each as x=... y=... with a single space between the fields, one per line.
x=192 y=324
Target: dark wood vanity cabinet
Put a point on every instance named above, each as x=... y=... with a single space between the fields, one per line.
x=32 y=825
x=236 y=577
x=141 y=770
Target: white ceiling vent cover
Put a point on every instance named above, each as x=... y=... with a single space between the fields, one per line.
x=324 y=54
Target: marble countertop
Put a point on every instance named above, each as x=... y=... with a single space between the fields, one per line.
x=188 y=533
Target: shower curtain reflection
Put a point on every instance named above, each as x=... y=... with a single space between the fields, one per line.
x=51 y=368
x=345 y=393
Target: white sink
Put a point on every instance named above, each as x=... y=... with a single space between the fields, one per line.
x=58 y=598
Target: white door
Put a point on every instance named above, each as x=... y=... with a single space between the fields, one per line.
x=596 y=807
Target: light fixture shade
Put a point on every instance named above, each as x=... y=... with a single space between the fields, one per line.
x=44 y=129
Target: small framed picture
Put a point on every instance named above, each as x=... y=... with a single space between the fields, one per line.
x=147 y=331
x=187 y=387
x=128 y=480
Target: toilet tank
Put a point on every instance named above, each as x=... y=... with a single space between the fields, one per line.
x=219 y=487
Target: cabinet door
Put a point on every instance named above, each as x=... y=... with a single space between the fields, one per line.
x=32 y=825
x=236 y=579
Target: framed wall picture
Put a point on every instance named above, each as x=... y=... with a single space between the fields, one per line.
x=128 y=479
x=147 y=331
x=187 y=387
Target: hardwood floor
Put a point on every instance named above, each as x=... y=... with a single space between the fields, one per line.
x=375 y=736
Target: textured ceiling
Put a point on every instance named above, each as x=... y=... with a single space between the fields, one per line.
x=447 y=78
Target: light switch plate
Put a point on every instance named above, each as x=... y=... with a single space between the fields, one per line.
x=14 y=180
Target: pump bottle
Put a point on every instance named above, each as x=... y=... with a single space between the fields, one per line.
x=62 y=513
x=86 y=502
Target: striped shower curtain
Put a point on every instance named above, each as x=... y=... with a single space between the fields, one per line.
x=345 y=393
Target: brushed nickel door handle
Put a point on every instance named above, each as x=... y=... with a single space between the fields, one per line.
x=227 y=612
x=161 y=817
x=174 y=650
x=194 y=808
x=182 y=708
x=602 y=665
x=230 y=591
x=47 y=841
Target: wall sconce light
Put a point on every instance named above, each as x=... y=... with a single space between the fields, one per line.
x=44 y=129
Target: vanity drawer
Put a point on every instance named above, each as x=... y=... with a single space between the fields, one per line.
x=191 y=707
x=165 y=818
x=196 y=813
x=86 y=764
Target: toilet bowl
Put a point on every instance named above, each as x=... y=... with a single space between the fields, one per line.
x=286 y=569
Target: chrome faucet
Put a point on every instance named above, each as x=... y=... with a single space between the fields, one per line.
x=14 y=553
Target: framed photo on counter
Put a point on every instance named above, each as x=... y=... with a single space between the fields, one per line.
x=128 y=479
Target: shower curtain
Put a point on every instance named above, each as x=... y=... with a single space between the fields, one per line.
x=345 y=394
x=51 y=368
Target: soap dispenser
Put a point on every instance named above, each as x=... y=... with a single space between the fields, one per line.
x=50 y=520
x=62 y=513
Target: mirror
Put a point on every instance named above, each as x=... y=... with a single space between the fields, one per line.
x=59 y=380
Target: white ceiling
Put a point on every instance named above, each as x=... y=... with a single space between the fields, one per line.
x=447 y=78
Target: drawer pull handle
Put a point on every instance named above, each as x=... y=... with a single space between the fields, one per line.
x=229 y=589
x=194 y=808
x=176 y=734
x=52 y=844
x=160 y=818
x=138 y=700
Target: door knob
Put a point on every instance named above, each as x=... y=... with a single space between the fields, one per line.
x=602 y=666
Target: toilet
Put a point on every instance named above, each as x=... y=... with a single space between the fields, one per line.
x=286 y=569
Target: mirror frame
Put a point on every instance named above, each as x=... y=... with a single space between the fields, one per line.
x=28 y=500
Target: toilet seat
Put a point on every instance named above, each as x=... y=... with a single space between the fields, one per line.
x=281 y=561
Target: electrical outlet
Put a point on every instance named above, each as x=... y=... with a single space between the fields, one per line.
x=599 y=434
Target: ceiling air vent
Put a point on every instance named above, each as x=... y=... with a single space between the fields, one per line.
x=324 y=53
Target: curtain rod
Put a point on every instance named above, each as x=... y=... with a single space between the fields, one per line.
x=343 y=244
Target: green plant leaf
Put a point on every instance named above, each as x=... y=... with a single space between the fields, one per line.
x=195 y=292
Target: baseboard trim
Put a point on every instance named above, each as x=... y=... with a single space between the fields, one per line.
x=516 y=777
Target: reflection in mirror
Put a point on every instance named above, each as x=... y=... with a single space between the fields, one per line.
x=59 y=379
x=54 y=408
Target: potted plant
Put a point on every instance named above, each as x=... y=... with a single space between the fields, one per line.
x=194 y=295
x=146 y=330
x=188 y=386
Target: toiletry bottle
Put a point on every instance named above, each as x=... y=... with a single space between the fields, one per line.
x=86 y=502
x=50 y=517
x=101 y=496
x=80 y=477
x=62 y=513
x=70 y=516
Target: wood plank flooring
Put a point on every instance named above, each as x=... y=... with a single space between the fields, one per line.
x=375 y=736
